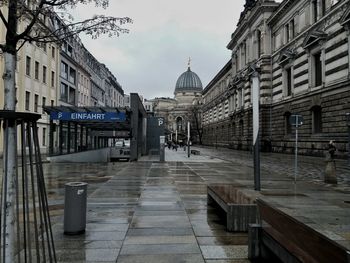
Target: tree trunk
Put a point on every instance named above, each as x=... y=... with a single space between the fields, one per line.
x=10 y=147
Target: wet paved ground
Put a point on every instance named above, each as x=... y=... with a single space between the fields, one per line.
x=157 y=212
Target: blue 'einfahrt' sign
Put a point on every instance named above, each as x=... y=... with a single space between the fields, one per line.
x=88 y=116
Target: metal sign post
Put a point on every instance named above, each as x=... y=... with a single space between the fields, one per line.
x=296 y=120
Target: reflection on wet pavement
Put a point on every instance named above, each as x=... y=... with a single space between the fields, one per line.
x=143 y=212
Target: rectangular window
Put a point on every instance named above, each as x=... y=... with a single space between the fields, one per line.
x=64 y=92
x=72 y=75
x=52 y=103
x=28 y=61
x=323 y=7
x=43 y=104
x=245 y=53
x=27 y=104
x=44 y=74
x=36 y=101
x=53 y=52
x=287 y=33
x=44 y=137
x=292 y=28
x=317 y=68
x=71 y=95
x=259 y=43
x=317 y=119
x=69 y=50
x=52 y=79
x=64 y=70
x=44 y=46
x=289 y=81
x=314 y=10
x=36 y=70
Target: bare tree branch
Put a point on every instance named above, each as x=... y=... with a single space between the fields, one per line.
x=33 y=21
x=3 y=19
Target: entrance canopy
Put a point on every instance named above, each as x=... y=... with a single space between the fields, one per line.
x=94 y=118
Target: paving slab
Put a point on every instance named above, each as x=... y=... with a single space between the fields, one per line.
x=149 y=211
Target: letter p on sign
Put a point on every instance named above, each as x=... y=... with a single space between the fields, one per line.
x=160 y=122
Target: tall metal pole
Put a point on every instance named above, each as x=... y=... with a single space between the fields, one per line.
x=188 y=139
x=255 y=97
x=296 y=149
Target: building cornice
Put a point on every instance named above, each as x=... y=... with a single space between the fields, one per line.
x=280 y=11
x=218 y=76
x=246 y=22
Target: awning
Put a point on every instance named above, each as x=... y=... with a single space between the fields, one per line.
x=95 y=118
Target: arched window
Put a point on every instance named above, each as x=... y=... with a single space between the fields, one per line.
x=316 y=112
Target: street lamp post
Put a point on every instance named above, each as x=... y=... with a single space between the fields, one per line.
x=188 y=139
x=348 y=124
x=255 y=98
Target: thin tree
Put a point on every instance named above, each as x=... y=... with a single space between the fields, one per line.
x=46 y=21
x=194 y=116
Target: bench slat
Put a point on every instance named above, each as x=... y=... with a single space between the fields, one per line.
x=301 y=240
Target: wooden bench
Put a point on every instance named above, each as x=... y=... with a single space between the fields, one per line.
x=282 y=237
x=195 y=152
x=240 y=209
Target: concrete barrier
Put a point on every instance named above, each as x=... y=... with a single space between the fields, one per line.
x=93 y=156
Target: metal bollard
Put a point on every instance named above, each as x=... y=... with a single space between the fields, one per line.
x=75 y=208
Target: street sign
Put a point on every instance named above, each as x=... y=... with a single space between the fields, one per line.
x=88 y=116
x=296 y=120
x=160 y=121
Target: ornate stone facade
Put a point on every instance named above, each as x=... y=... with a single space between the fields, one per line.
x=301 y=50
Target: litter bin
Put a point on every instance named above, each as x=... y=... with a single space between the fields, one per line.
x=75 y=208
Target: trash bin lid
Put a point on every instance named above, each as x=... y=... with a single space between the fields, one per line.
x=76 y=184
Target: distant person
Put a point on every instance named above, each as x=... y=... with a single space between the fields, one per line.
x=331 y=149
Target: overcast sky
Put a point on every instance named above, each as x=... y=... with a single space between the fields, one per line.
x=163 y=36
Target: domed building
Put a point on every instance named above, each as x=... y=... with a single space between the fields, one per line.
x=178 y=111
